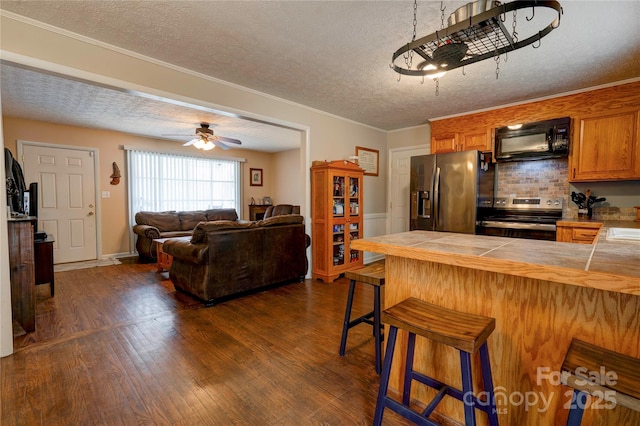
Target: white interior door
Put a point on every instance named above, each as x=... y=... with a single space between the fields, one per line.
x=66 y=199
x=399 y=180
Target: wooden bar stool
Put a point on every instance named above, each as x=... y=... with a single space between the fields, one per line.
x=372 y=274
x=466 y=332
x=612 y=377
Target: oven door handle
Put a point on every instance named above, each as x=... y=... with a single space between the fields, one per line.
x=518 y=225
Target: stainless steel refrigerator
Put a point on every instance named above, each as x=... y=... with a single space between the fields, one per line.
x=449 y=190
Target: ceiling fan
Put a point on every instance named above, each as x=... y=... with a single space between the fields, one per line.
x=206 y=140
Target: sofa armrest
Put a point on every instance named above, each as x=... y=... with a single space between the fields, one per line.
x=186 y=251
x=147 y=231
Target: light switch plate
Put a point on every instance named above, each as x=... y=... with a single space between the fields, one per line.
x=106 y=194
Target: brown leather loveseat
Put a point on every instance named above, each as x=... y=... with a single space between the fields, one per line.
x=226 y=258
x=153 y=225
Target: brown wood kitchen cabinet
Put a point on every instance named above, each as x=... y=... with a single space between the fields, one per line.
x=606 y=147
x=480 y=139
x=336 y=217
x=577 y=232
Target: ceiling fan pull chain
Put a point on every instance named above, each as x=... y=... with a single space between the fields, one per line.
x=437 y=86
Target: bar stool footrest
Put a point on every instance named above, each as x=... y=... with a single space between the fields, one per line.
x=407 y=413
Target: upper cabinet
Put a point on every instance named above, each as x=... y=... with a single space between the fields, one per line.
x=444 y=143
x=476 y=139
x=467 y=140
x=606 y=146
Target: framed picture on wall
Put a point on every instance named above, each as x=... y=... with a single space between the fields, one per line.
x=256 y=177
x=368 y=160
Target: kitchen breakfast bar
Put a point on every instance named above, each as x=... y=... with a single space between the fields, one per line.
x=541 y=293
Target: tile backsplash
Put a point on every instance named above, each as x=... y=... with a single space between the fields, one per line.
x=541 y=178
x=549 y=179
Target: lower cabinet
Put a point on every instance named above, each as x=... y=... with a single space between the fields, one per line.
x=577 y=232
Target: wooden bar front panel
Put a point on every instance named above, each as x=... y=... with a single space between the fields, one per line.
x=535 y=322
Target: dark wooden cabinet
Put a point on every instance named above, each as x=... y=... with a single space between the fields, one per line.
x=22 y=273
x=44 y=263
x=256 y=211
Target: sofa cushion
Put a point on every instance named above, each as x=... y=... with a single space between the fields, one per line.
x=281 y=209
x=203 y=228
x=189 y=220
x=175 y=234
x=284 y=219
x=197 y=254
x=221 y=214
x=164 y=221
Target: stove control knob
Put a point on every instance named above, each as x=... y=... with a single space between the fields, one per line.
x=548 y=202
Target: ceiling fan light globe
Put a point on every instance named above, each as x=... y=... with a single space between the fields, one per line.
x=208 y=146
x=199 y=143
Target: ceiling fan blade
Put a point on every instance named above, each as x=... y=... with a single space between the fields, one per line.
x=181 y=135
x=191 y=142
x=219 y=144
x=230 y=140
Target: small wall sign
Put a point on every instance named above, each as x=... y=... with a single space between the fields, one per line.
x=368 y=160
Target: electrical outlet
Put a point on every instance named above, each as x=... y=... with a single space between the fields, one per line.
x=106 y=194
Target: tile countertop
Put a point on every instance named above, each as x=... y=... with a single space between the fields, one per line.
x=605 y=265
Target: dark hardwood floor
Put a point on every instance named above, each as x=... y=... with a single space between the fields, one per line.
x=118 y=346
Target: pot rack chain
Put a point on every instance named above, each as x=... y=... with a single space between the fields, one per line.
x=442 y=8
x=408 y=57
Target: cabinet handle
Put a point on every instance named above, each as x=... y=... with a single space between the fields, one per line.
x=574 y=172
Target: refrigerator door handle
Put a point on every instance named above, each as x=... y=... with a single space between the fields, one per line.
x=415 y=199
x=436 y=198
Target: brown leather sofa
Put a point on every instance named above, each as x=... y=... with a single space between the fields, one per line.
x=230 y=258
x=153 y=225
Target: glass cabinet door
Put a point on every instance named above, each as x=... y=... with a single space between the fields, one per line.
x=354 y=216
x=340 y=194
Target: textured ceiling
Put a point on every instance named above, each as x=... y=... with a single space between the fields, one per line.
x=334 y=55
x=45 y=97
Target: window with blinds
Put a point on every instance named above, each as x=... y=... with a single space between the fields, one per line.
x=167 y=181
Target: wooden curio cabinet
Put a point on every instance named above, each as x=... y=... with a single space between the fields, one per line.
x=336 y=217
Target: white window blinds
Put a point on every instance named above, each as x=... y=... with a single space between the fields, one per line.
x=167 y=181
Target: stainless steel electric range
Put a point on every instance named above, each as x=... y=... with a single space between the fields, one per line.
x=533 y=218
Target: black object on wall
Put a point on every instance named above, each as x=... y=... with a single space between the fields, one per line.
x=15 y=185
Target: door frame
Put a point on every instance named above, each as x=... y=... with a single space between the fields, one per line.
x=94 y=152
x=391 y=152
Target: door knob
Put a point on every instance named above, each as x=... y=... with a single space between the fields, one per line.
x=90 y=206
x=90 y=213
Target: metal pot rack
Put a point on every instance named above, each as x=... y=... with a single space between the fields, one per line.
x=484 y=36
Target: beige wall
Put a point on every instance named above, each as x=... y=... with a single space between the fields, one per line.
x=417 y=136
x=287 y=174
x=113 y=210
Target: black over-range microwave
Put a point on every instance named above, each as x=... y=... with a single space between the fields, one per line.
x=533 y=141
